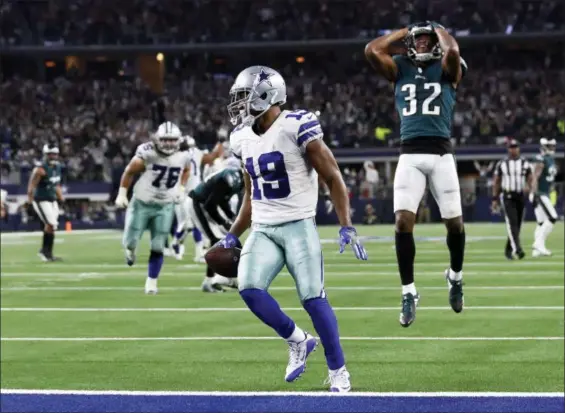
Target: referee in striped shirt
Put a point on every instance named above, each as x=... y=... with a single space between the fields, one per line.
x=512 y=179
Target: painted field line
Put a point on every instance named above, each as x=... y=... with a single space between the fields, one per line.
x=356 y=288
x=8 y=235
x=269 y=338
x=347 y=265
x=244 y=309
x=276 y=393
x=182 y=272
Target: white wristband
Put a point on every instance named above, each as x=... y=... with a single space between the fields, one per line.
x=123 y=192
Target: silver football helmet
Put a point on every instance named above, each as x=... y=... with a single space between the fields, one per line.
x=548 y=146
x=168 y=137
x=254 y=91
x=434 y=52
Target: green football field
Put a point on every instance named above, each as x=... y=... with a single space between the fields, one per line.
x=85 y=323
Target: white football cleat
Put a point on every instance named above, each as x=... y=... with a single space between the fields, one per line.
x=339 y=381
x=540 y=251
x=151 y=286
x=208 y=287
x=179 y=256
x=297 y=355
x=219 y=281
x=199 y=253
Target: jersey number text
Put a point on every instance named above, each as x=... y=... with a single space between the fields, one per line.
x=427 y=108
x=551 y=172
x=273 y=172
x=172 y=176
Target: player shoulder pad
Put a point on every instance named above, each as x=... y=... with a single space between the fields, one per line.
x=145 y=151
x=304 y=126
x=539 y=158
x=400 y=61
x=235 y=140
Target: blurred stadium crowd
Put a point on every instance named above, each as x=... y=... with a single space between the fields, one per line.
x=158 y=21
x=99 y=116
x=99 y=122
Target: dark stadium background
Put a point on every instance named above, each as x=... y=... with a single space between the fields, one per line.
x=97 y=76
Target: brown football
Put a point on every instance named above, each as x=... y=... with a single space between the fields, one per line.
x=223 y=261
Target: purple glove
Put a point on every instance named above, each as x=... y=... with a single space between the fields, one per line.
x=348 y=235
x=230 y=241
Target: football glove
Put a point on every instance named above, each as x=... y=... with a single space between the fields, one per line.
x=348 y=235
x=230 y=241
x=122 y=198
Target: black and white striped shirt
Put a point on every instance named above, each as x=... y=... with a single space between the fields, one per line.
x=513 y=174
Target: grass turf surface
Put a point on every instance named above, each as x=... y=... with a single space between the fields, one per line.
x=520 y=301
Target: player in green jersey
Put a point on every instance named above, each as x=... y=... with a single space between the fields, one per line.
x=544 y=176
x=44 y=192
x=425 y=82
x=213 y=215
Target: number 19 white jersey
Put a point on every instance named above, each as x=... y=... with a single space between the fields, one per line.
x=284 y=185
x=158 y=182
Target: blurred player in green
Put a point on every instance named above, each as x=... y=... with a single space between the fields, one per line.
x=213 y=215
x=44 y=192
x=544 y=176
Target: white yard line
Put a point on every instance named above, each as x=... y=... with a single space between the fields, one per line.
x=355 y=288
x=276 y=393
x=345 y=265
x=244 y=309
x=182 y=272
x=269 y=338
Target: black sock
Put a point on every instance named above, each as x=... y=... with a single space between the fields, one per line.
x=209 y=272
x=456 y=245
x=49 y=240
x=405 y=254
x=44 y=243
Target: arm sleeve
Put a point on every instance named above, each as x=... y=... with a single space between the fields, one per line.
x=145 y=152
x=308 y=129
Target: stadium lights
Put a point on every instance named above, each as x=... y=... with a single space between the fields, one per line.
x=300 y=59
x=50 y=63
x=160 y=57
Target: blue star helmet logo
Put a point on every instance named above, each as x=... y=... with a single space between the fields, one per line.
x=264 y=77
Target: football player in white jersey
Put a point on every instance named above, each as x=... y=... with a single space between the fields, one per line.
x=283 y=153
x=185 y=222
x=161 y=165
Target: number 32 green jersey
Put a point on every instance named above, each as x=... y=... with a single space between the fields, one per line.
x=425 y=99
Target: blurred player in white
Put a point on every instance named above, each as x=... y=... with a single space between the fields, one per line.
x=161 y=165
x=282 y=153
x=185 y=222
